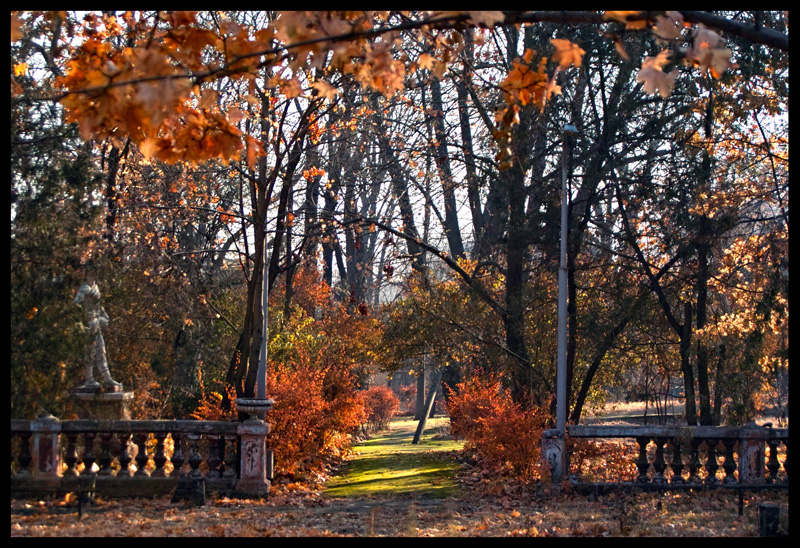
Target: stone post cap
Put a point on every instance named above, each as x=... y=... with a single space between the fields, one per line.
x=754 y=430
x=45 y=423
x=552 y=433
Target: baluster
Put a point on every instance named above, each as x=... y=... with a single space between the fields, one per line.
x=642 y=463
x=677 y=463
x=88 y=453
x=24 y=458
x=71 y=457
x=141 y=453
x=13 y=437
x=159 y=458
x=694 y=461
x=124 y=455
x=216 y=449
x=105 y=457
x=774 y=464
x=658 y=463
x=711 y=462
x=194 y=456
x=786 y=460
x=177 y=455
x=230 y=458
x=730 y=463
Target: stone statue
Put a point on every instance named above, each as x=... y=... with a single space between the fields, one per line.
x=88 y=297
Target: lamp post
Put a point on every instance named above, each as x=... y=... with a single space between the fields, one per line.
x=256 y=464
x=561 y=376
x=554 y=443
x=258 y=406
x=261 y=382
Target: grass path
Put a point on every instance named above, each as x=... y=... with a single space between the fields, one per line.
x=389 y=465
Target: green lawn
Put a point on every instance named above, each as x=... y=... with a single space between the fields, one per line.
x=388 y=464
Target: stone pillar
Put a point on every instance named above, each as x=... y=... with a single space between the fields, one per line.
x=554 y=454
x=255 y=461
x=751 y=453
x=46 y=453
x=103 y=405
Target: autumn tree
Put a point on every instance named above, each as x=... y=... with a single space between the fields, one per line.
x=55 y=189
x=463 y=112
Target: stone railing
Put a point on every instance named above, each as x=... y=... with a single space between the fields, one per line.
x=751 y=456
x=141 y=457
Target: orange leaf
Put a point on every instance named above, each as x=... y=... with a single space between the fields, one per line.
x=622 y=17
x=654 y=78
x=425 y=61
x=668 y=27
x=16 y=26
x=208 y=98
x=291 y=88
x=567 y=53
x=488 y=18
x=325 y=89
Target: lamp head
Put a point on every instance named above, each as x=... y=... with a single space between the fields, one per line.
x=570 y=129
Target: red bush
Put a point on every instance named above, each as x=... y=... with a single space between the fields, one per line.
x=505 y=435
x=307 y=426
x=380 y=405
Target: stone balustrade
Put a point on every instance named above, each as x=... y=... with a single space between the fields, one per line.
x=702 y=456
x=141 y=458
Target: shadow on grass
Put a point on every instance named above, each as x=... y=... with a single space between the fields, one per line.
x=389 y=464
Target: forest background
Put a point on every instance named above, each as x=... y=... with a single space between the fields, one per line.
x=401 y=174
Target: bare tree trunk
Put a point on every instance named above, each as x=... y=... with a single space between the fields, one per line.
x=428 y=406
x=420 y=407
x=310 y=206
x=451 y=227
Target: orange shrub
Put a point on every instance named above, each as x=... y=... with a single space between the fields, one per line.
x=307 y=426
x=506 y=436
x=380 y=405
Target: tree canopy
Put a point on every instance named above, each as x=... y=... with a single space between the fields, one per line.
x=410 y=163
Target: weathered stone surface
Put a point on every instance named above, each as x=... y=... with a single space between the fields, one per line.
x=103 y=405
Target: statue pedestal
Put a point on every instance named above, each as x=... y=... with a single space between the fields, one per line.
x=103 y=405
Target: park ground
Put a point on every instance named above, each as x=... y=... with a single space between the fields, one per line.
x=392 y=488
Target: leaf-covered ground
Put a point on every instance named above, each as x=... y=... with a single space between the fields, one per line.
x=368 y=496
